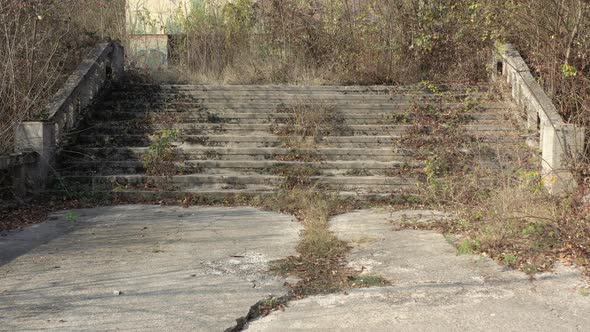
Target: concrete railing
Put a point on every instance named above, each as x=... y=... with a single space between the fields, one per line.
x=561 y=143
x=66 y=108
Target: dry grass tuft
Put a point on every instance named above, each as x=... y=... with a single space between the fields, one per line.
x=308 y=123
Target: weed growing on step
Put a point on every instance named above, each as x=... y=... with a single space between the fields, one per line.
x=308 y=123
x=441 y=142
x=430 y=87
x=304 y=129
x=468 y=247
x=214 y=118
x=402 y=118
x=302 y=155
x=365 y=281
x=162 y=154
x=358 y=172
x=296 y=175
x=211 y=155
x=72 y=217
x=511 y=260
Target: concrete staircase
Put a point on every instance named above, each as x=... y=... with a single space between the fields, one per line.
x=235 y=139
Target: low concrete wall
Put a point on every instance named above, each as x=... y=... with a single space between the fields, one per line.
x=15 y=166
x=560 y=143
x=104 y=64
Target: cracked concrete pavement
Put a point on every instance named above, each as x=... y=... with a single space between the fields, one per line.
x=152 y=268
x=141 y=268
x=432 y=288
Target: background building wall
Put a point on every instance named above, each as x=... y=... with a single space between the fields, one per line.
x=149 y=22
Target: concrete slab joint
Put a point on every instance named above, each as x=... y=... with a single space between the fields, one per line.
x=561 y=144
x=105 y=62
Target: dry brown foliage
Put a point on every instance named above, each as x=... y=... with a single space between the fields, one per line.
x=41 y=43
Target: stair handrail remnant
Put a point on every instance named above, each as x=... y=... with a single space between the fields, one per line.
x=560 y=143
x=104 y=64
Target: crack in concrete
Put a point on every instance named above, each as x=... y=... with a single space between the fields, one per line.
x=261 y=309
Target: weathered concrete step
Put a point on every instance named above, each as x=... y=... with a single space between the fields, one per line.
x=261 y=118
x=301 y=88
x=249 y=141
x=264 y=141
x=194 y=181
x=280 y=90
x=205 y=193
x=240 y=151
x=304 y=99
x=199 y=184
x=272 y=108
x=110 y=167
x=212 y=128
x=82 y=153
x=253 y=106
x=216 y=193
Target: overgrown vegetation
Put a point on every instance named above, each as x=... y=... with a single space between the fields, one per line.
x=502 y=207
x=519 y=226
x=438 y=137
x=389 y=41
x=320 y=264
x=162 y=154
x=504 y=212
x=307 y=123
x=291 y=41
x=42 y=41
x=341 y=41
x=321 y=260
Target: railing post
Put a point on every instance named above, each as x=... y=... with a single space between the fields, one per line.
x=561 y=146
x=36 y=137
x=19 y=180
x=560 y=143
x=117 y=63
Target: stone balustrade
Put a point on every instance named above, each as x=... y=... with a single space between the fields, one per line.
x=104 y=64
x=560 y=143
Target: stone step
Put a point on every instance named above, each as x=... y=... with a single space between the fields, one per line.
x=216 y=194
x=196 y=182
x=81 y=153
x=138 y=141
x=242 y=166
x=262 y=105
x=260 y=141
x=109 y=128
x=263 y=141
x=275 y=108
x=228 y=144
x=292 y=98
x=213 y=193
x=301 y=88
x=261 y=118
